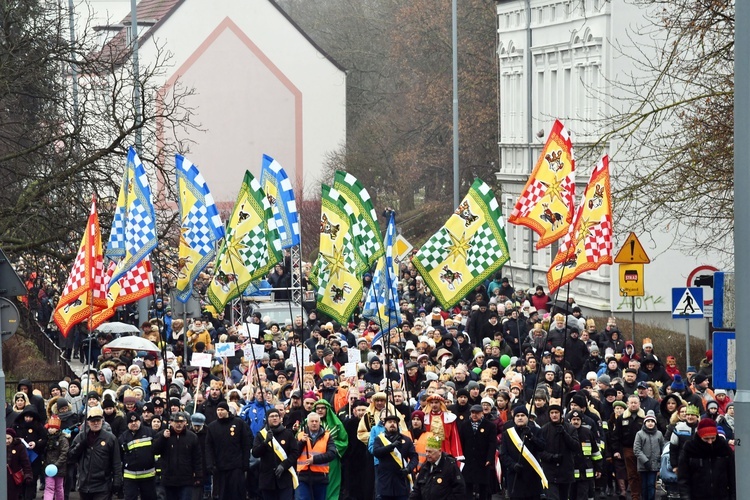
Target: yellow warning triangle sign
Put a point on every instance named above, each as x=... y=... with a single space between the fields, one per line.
x=632 y=252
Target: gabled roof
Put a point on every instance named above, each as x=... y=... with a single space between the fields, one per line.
x=158 y=11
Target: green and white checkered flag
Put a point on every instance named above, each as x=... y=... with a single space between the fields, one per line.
x=365 y=229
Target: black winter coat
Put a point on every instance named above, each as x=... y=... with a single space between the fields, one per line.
x=706 y=471
x=99 y=466
x=267 y=479
x=558 y=457
x=479 y=449
x=228 y=444
x=526 y=482
x=137 y=458
x=389 y=479
x=181 y=460
x=442 y=481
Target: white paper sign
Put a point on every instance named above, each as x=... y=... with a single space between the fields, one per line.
x=253 y=351
x=354 y=356
x=225 y=349
x=201 y=359
x=350 y=370
x=301 y=354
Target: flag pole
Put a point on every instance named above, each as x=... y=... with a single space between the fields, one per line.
x=244 y=318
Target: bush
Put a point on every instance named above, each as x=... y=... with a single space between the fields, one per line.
x=666 y=342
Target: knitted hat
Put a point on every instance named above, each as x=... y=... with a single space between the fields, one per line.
x=647 y=343
x=678 y=385
x=621 y=404
x=223 y=404
x=10 y=432
x=604 y=379
x=418 y=414
x=707 y=427
x=53 y=422
x=712 y=403
x=650 y=416
x=693 y=410
x=520 y=410
x=699 y=378
x=489 y=401
x=433 y=443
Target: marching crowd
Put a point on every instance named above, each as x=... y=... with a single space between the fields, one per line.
x=501 y=395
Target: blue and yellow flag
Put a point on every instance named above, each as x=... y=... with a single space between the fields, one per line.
x=134 y=235
x=339 y=287
x=382 y=302
x=366 y=229
x=469 y=248
x=201 y=226
x=251 y=248
x=278 y=189
x=588 y=244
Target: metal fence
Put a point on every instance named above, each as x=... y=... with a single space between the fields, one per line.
x=49 y=349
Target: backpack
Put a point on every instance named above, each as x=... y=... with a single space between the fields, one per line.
x=667 y=475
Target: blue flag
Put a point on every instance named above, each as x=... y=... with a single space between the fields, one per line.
x=133 y=233
x=201 y=226
x=381 y=304
x=278 y=189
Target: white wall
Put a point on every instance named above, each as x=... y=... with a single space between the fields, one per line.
x=578 y=37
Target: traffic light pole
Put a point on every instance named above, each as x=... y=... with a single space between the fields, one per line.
x=742 y=236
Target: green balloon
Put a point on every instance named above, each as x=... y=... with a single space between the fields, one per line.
x=504 y=360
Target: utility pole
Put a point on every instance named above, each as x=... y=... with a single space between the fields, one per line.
x=742 y=236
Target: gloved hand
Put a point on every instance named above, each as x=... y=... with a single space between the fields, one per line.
x=405 y=472
x=518 y=467
x=279 y=470
x=526 y=433
x=269 y=436
x=392 y=446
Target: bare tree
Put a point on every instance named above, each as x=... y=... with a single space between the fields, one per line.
x=675 y=169
x=67 y=118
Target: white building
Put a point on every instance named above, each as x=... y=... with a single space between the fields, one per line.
x=261 y=84
x=557 y=59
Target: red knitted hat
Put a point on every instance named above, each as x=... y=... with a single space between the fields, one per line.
x=707 y=427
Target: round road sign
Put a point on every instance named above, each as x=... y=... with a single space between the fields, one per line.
x=9 y=318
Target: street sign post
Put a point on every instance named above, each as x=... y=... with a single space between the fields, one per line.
x=631 y=280
x=725 y=364
x=631 y=258
x=632 y=252
x=687 y=304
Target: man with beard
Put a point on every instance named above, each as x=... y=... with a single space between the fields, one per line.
x=478 y=440
x=215 y=396
x=278 y=450
x=228 y=452
x=442 y=423
x=557 y=459
x=397 y=459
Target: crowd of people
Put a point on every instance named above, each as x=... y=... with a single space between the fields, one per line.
x=502 y=395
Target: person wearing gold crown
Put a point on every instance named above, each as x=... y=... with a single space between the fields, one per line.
x=439 y=477
x=443 y=424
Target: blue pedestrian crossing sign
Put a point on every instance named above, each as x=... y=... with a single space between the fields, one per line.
x=687 y=303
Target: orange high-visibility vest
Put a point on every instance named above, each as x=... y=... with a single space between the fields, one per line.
x=309 y=450
x=420 y=445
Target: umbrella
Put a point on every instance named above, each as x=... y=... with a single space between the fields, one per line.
x=117 y=327
x=132 y=342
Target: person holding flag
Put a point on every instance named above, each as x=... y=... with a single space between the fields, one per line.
x=397 y=460
x=520 y=446
x=381 y=303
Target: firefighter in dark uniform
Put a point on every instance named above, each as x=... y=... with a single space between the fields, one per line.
x=588 y=462
x=439 y=477
x=138 y=462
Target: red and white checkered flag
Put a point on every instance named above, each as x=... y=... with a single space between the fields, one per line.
x=86 y=280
